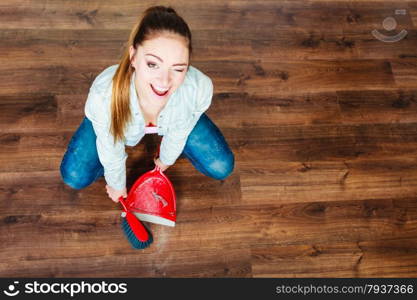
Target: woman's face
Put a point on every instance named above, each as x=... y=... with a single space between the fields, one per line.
x=160 y=64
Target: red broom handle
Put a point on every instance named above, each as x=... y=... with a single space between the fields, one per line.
x=136 y=226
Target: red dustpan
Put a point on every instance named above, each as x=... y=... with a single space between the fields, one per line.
x=152 y=198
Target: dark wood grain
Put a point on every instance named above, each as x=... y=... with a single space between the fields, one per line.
x=321 y=117
x=388 y=258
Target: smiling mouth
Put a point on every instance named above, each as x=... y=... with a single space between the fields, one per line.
x=159 y=92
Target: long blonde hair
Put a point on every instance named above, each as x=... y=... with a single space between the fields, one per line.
x=155 y=19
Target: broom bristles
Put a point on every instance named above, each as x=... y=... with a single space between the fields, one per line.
x=137 y=234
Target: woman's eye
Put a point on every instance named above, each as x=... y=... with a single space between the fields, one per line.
x=182 y=70
x=151 y=65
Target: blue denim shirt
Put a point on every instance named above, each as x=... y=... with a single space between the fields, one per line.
x=175 y=121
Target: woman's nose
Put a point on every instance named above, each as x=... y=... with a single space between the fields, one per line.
x=164 y=79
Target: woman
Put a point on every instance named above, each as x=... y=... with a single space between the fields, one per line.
x=153 y=90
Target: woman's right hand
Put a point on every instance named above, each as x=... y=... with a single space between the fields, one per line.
x=115 y=194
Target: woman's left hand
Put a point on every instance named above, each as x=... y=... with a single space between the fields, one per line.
x=159 y=163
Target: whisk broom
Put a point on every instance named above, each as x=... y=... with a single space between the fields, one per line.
x=137 y=234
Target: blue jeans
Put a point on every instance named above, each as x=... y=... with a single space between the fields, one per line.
x=206 y=149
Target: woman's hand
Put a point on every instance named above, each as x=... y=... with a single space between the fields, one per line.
x=160 y=164
x=115 y=194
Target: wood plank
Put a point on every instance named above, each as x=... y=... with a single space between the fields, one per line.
x=290 y=44
x=405 y=73
x=239 y=110
x=267 y=182
x=324 y=141
x=48 y=79
x=231 y=263
x=60 y=46
x=377 y=106
x=101 y=45
x=306 y=14
x=38 y=112
x=279 y=182
x=218 y=228
x=228 y=110
x=375 y=259
x=33 y=152
x=389 y=174
x=293 y=143
x=20 y=191
x=266 y=77
x=271 y=77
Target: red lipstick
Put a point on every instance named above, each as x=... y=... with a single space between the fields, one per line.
x=159 y=93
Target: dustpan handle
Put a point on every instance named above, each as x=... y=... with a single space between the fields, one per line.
x=122 y=202
x=157 y=169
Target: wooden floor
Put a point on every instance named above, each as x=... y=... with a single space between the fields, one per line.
x=321 y=116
